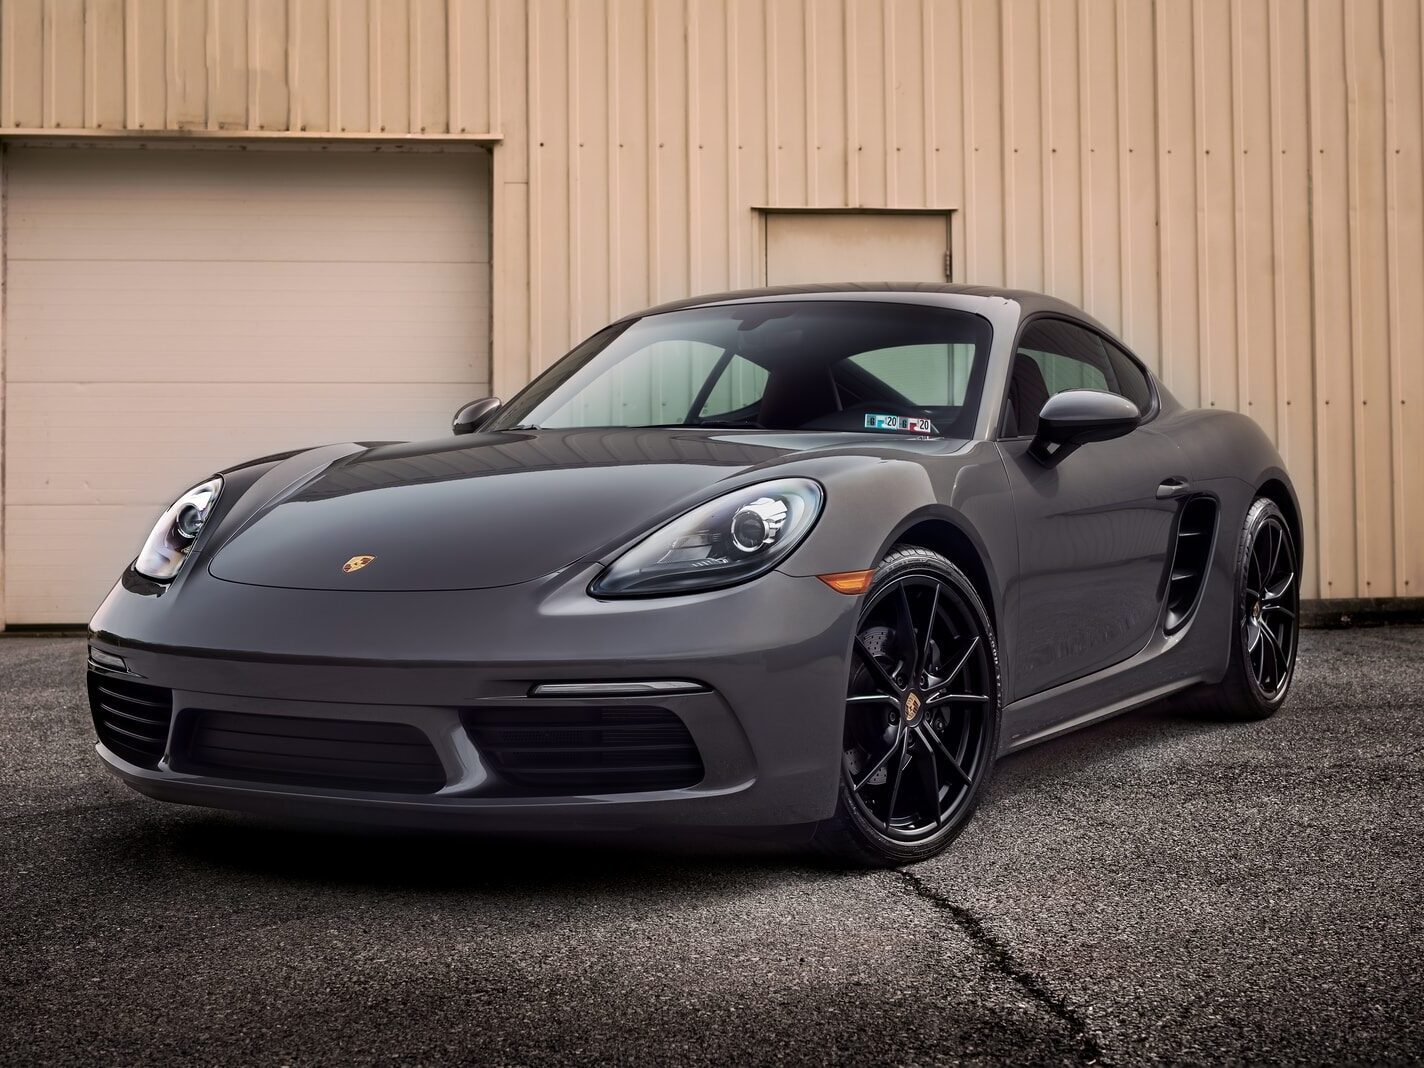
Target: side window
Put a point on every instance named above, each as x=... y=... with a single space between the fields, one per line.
x=1132 y=380
x=927 y=376
x=739 y=386
x=1053 y=356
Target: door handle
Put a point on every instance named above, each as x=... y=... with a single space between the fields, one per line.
x=1173 y=487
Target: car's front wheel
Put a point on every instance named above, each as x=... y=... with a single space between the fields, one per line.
x=921 y=715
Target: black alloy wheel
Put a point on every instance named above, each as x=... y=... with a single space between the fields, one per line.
x=922 y=709
x=1270 y=605
x=1266 y=625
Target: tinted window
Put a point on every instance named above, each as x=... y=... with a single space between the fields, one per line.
x=737 y=387
x=1132 y=380
x=1054 y=355
x=783 y=365
x=934 y=375
x=654 y=383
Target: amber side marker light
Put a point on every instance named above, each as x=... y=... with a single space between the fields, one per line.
x=849 y=581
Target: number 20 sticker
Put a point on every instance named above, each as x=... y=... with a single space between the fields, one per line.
x=899 y=422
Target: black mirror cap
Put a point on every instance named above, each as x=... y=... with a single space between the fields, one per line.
x=474 y=415
x=1078 y=416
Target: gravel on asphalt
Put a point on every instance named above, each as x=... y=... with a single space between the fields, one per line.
x=1156 y=888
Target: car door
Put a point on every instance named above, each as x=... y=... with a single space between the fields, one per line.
x=1094 y=530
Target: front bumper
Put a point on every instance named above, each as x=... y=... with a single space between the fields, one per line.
x=770 y=657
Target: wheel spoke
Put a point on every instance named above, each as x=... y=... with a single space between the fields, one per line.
x=1276 y=592
x=964 y=659
x=876 y=667
x=1278 y=608
x=929 y=779
x=1271 y=637
x=1268 y=644
x=1276 y=552
x=950 y=698
x=899 y=774
x=937 y=699
x=924 y=661
x=895 y=745
x=872 y=699
x=1260 y=564
x=905 y=636
x=926 y=732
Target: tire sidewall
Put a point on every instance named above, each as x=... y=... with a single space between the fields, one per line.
x=901 y=564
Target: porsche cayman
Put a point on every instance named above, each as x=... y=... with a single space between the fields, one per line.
x=809 y=557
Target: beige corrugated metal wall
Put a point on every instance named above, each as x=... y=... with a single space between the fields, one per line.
x=1234 y=185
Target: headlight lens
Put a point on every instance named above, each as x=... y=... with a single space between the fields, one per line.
x=728 y=540
x=175 y=532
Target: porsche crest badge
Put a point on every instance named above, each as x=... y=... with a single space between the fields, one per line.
x=912 y=707
x=356 y=563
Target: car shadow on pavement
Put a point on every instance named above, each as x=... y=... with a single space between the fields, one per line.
x=474 y=862
x=1082 y=753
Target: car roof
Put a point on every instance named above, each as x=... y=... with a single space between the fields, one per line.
x=1029 y=302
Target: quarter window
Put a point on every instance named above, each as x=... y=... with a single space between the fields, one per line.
x=1131 y=379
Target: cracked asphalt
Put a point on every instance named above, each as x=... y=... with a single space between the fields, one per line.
x=1158 y=888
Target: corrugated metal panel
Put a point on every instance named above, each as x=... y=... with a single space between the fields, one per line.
x=1235 y=185
x=338 y=66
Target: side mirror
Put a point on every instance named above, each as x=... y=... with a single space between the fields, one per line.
x=474 y=415
x=1078 y=416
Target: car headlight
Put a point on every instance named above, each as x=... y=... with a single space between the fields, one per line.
x=175 y=532
x=731 y=539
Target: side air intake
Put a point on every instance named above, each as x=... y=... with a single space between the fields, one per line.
x=1191 y=556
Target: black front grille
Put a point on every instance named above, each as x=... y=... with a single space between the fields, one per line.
x=560 y=751
x=349 y=754
x=131 y=718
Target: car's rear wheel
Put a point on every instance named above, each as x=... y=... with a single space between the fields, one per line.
x=921 y=716
x=1266 y=624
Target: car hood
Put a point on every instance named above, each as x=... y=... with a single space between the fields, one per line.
x=486 y=510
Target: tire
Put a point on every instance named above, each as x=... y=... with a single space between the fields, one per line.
x=1265 y=623
x=935 y=699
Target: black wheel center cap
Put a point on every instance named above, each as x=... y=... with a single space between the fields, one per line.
x=913 y=706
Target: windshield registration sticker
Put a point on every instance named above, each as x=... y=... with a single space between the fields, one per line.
x=899 y=422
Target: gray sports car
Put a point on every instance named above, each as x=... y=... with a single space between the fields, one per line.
x=813 y=556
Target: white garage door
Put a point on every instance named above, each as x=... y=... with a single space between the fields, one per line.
x=171 y=312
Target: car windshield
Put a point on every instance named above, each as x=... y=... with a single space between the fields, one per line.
x=870 y=366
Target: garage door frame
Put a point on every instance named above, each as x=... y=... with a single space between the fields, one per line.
x=212 y=140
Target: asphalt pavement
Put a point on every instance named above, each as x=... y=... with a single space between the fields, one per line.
x=1158 y=888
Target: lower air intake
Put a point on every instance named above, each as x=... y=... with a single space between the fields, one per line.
x=562 y=751
x=131 y=718
x=346 y=754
